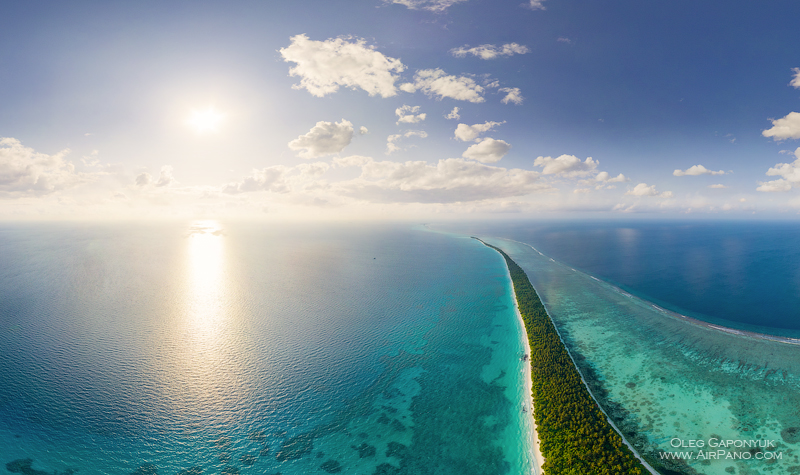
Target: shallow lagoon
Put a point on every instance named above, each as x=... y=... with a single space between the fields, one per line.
x=669 y=381
x=204 y=348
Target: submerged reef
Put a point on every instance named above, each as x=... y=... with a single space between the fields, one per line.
x=295 y=447
x=24 y=466
x=574 y=433
x=331 y=466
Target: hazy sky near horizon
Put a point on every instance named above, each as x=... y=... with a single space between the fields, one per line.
x=403 y=108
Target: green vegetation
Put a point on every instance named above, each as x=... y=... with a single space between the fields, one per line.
x=575 y=436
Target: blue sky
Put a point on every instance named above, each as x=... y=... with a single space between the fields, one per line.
x=334 y=109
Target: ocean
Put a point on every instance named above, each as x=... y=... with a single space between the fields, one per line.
x=696 y=395
x=209 y=347
x=740 y=274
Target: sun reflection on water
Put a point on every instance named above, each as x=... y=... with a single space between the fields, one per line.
x=206 y=287
x=207 y=375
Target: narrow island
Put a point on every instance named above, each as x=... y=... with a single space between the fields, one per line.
x=574 y=435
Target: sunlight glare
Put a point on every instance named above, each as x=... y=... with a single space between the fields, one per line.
x=205 y=121
x=206 y=258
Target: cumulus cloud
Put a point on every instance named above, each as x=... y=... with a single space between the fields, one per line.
x=603 y=177
x=351 y=161
x=696 y=170
x=487 y=150
x=24 y=171
x=513 y=94
x=450 y=180
x=717 y=186
x=489 y=51
x=324 y=66
x=430 y=5
x=363 y=131
x=165 y=177
x=266 y=179
x=277 y=179
x=536 y=5
x=409 y=115
x=566 y=165
x=437 y=83
x=643 y=190
x=453 y=114
x=784 y=128
x=789 y=173
x=796 y=79
x=391 y=141
x=468 y=133
x=774 y=185
x=325 y=138
x=143 y=179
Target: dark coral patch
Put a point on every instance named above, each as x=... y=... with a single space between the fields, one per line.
x=791 y=435
x=386 y=469
x=365 y=450
x=331 y=466
x=295 y=447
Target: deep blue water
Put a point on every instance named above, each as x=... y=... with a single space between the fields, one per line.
x=257 y=349
x=740 y=274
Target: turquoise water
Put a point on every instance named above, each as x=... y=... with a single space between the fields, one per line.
x=669 y=383
x=738 y=274
x=234 y=348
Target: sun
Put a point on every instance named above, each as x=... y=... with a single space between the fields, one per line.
x=205 y=121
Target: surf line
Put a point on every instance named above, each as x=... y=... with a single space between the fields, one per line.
x=678 y=316
x=574 y=432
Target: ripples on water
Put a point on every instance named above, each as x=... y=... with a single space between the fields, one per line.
x=664 y=379
x=740 y=274
x=248 y=348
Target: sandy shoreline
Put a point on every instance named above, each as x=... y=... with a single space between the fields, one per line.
x=533 y=436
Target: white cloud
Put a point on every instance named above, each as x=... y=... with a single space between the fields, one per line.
x=775 y=185
x=435 y=82
x=796 y=79
x=789 y=173
x=566 y=165
x=24 y=171
x=450 y=180
x=143 y=179
x=351 y=161
x=784 y=128
x=513 y=94
x=409 y=115
x=564 y=39
x=453 y=114
x=467 y=133
x=431 y=5
x=277 y=179
x=165 y=177
x=643 y=190
x=324 y=66
x=266 y=179
x=391 y=141
x=489 y=51
x=536 y=5
x=487 y=150
x=696 y=170
x=717 y=186
x=603 y=177
x=325 y=138
x=363 y=130
x=408 y=87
